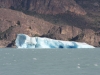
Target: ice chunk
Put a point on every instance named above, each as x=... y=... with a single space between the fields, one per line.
x=24 y=41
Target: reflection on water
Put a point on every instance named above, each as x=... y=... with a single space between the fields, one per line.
x=49 y=61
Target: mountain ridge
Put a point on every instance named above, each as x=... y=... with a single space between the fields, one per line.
x=14 y=22
x=44 y=6
x=65 y=20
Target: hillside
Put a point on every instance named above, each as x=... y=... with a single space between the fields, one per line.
x=74 y=20
x=92 y=7
x=76 y=13
x=44 y=6
x=13 y=22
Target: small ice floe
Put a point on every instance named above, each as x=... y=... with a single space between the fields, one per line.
x=78 y=67
x=95 y=64
x=34 y=58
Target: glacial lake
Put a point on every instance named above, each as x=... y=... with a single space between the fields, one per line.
x=49 y=61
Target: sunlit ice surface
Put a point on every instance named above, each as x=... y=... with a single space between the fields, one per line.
x=24 y=41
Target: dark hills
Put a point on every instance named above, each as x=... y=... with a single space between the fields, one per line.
x=74 y=20
x=43 y=6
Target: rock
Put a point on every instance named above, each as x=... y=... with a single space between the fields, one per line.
x=14 y=22
x=44 y=6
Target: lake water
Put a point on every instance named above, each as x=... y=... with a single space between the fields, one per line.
x=49 y=61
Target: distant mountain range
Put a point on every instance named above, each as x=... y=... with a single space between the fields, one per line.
x=74 y=20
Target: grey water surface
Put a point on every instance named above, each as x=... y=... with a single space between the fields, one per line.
x=49 y=61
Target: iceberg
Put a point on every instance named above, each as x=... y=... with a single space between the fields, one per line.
x=24 y=41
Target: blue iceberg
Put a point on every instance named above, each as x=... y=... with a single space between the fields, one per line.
x=24 y=41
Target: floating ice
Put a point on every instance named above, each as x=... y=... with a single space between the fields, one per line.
x=24 y=41
x=78 y=67
x=95 y=64
x=34 y=58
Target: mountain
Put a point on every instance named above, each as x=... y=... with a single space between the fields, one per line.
x=14 y=22
x=78 y=13
x=92 y=7
x=44 y=6
x=74 y=20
